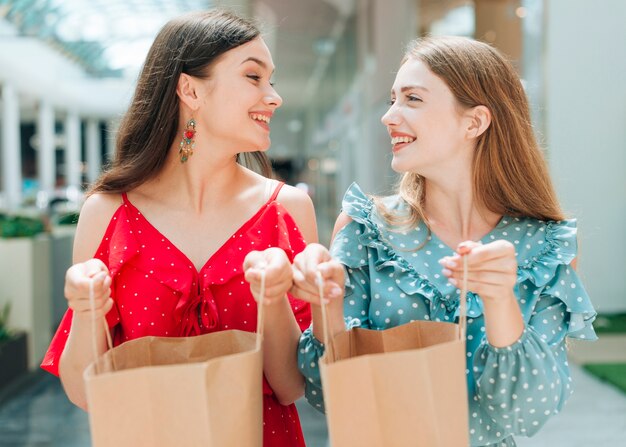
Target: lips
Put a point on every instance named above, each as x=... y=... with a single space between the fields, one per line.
x=400 y=140
x=262 y=119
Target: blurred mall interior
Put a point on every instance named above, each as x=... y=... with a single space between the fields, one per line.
x=68 y=69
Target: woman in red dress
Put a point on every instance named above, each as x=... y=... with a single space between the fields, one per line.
x=174 y=235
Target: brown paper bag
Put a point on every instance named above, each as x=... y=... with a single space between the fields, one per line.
x=404 y=386
x=190 y=391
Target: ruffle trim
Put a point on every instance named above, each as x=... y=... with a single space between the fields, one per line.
x=559 y=249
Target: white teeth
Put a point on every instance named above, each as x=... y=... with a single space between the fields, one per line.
x=396 y=140
x=259 y=117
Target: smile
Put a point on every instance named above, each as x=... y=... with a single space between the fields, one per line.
x=403 y=139
x=260 y=117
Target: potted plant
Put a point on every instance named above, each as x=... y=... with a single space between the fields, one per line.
x=13 y=350
x=26 y=260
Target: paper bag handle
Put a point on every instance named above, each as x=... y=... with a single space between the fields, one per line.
x=94 y=335
x=329 y=341
x=260 y=315
x=463 y=303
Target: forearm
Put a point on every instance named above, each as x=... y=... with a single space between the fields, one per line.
x=280 y=343
x=504 y=323
x=77 y=355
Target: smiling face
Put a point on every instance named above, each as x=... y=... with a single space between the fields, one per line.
x=427 y=127
x=238 y=100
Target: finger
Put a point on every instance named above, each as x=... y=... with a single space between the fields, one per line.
x=466 y=247
x=82 y=286
x=487 y=278
x=332 y=271
x=93 y=267
x=503 y=265
x=98 y=312
x=317 y=255
x=478 y=258
x=305 y=295
x=278 y=271
x=279 y=289
x=302 y=282
x=254 y=259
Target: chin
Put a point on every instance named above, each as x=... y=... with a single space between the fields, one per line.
x=398 y=166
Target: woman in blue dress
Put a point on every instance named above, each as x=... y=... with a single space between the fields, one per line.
x=474 y=184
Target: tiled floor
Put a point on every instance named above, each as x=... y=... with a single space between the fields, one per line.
x=40 y=416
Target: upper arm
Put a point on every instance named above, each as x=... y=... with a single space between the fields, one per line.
x=342 y=220
x=93 y=221
x=300 y=207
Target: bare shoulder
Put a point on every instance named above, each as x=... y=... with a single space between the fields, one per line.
x=93 y=221
x=300 y=207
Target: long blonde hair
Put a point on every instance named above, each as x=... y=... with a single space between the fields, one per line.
x=510 y=175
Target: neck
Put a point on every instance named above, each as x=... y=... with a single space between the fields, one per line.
x=204 y=180
x=450 y=208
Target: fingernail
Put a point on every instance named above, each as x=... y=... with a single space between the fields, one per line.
x=446 y=272
x=450 y=264
x=335 y=292
x=452 y=281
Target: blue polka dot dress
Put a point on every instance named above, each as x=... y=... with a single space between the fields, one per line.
x=512 y=390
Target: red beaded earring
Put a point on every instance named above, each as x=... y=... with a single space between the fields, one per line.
x=187 y=143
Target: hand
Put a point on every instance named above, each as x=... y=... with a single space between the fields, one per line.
x=77 y=281
x=491 y=268
x=278 y=278
x=306 y=265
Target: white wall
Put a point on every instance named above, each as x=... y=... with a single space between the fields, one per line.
x=586 y=135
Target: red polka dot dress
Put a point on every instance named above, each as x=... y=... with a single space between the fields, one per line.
x=158 y=291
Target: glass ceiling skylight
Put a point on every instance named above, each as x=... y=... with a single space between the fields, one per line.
x=107 y=37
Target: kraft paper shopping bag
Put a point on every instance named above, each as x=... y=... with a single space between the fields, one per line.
x=403 y=386
x=203 y=391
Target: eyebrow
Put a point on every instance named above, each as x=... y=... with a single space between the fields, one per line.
x=406 y=88
x=257 y=61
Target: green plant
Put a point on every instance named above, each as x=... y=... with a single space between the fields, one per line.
x=20 y=226
x=5 y=334
x=68 y=219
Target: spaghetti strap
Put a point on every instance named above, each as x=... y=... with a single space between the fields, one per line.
x=276 y=191
x=125 y=198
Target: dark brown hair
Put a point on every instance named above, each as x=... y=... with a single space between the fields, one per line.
x=510 y=175
x=188 y=44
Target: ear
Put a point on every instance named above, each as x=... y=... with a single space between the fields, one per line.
x=479 y=121
x=187 y=91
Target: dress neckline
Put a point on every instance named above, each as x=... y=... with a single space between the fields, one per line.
x=242 y=228
x=483 y=240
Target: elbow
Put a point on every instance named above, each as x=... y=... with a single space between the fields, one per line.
x=77 y=397
x=79 y=401
x=74 y=392
x=288 y=397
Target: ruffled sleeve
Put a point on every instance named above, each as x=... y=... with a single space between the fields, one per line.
x=115 y=250
x=548 y=273
x=522 y=385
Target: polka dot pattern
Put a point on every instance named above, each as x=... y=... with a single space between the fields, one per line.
x=158 y=291
x=512 y=390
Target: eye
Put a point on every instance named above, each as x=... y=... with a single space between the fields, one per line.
x=413 y=98
x=254 y=77
x=391 y=102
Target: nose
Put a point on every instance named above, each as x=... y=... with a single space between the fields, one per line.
x=273 y=98
x=391 y=117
